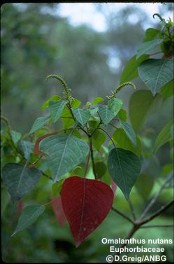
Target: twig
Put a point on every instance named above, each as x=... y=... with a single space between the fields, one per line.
x=123 y=215
x=162 y=209
x=132 y=209
x=156 y=196
x=153 y=226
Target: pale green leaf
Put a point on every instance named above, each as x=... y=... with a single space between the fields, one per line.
x=64 y=152
x=81 y=115
x=97 y=100
x=115 y=105
x=148 y=46
x=129 y=131
x=27 y=148
x=164 y=136
x=28 y=216
x=54 y=97
x=105 y=114
x=56 y=109
x=130 y=71
x=139 y=105
x=155 y=73
x=16 y=136
x=39 y=123
x=98 y=139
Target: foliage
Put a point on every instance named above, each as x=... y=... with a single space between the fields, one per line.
x=63 y=163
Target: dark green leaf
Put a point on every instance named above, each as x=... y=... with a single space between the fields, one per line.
x=130 y=71
x=124 y=167
x=19 y=179
x=81 y=115
x=39 y=123
x=115 y=105
x=129 y=131
x=139 y=105
x=147 y=46
x=29 y=215
x=64 y=152
x=155 y=73
x=105 y=114
x=56 y=109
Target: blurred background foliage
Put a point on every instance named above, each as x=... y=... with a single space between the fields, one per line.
x=35 y=42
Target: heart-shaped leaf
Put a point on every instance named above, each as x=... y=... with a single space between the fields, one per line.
x=82 y=115
x=156 y=73
x=39 y=123
x=56 y=109
x=105 y=114
x=36 y=146
x=124 y=167
x=28 y=216
x=86 y=203
x=20 y=179
x=64 y=152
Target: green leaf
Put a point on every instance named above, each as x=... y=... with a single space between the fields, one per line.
x=39 y=123
x=100 y=169
x=19 y=179
x=147 y=46
x=105 y=114
x=16 y=136
x=115 y=105
x=144 y=185
x=122 y=141
x=167 y=90
x=130 y=71
x=64 y=152
x=75 y=103
x=98 y=139
x=67 y=118
x=139 y=105
x=27 y=148
x=56 y=188
x=55 y=97
x=129 y=131
x=124 y=167
x=81 y=115
x=5 y=199
x=155 y=73
x=56 y=109
x=28 y=216
x=164 y=136
x=97 y=100
x=150 y=34
x=122 y=115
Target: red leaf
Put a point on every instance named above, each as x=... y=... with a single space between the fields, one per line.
x=86 y=203
x=58 y=210
x=36 y=146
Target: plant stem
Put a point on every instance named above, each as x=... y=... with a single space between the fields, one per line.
x=92 y=156
x=87 y=165
x=157 y=213
x=153 y=226
x=132 y=209
x=156 y=196
x=123 y=215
